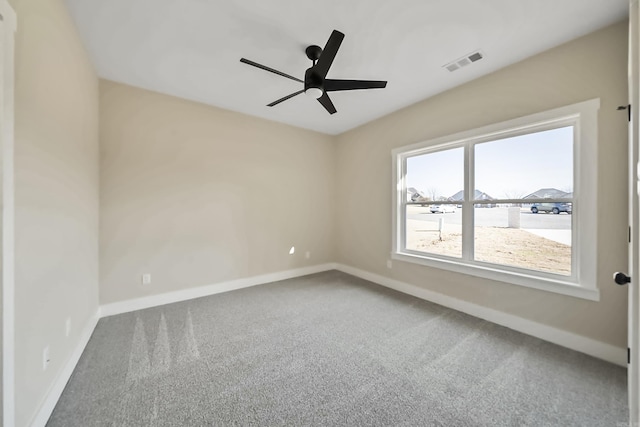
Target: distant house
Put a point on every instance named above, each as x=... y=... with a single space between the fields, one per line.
x=479 y=195
x=549 y=193
x=413 y=194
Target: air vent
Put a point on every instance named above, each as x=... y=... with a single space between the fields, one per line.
x=464 y=61
x=475 y=57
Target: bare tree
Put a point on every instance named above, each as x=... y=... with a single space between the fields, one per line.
x=514 y=193
x=432 y=193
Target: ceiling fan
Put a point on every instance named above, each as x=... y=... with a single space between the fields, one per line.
x=315 y=82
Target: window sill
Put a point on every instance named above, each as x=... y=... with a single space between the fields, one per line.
x=514 y=278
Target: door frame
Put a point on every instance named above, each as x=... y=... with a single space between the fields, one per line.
x=8 y=26
x=634 y=213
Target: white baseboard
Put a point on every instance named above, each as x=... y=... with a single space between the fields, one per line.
x=203 y=291
x=557 y=336
x=49 y=403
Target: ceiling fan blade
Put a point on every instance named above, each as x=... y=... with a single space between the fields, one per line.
x=336 y=85
x=329 y=53
x=285 y=98
x=264 y=67
x=326 y=103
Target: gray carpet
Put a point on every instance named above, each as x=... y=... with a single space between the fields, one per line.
x=330 y=349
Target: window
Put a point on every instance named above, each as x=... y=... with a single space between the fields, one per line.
x=514 y=201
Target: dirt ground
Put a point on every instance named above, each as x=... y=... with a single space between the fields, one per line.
x=506 y=246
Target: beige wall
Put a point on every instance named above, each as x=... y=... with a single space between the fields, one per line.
x=56 y=195
x=590 y=67
x=196 y=195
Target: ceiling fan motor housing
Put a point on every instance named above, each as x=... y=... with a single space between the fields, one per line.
x=313 y=81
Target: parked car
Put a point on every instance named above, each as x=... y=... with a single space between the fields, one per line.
x=443 y=208
x=555 y=208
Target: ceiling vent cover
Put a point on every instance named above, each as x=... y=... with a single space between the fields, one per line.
x=464 y=61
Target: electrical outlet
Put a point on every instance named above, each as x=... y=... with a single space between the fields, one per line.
x=67 y=327
x=389 y=264
x=146 y=279
x=307 y=255
x=45 y=358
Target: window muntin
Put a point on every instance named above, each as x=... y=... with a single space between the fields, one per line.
x=574 y=130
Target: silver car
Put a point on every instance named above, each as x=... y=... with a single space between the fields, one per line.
x=555 y=208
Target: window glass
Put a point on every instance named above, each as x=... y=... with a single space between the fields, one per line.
x=517 y=237
x=534 y=236
x=434 y=229
x=436 y=176
x=433 y=221
x=536 y=165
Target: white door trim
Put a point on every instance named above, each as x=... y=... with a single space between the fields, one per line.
x=8 y=26
x=634 y=214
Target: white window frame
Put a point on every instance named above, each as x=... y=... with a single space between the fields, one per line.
x=583 y=280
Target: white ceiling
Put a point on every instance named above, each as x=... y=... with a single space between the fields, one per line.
x=191 y=48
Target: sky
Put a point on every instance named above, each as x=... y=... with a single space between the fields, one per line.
x=506 y=168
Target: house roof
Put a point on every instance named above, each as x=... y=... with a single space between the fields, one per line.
x=548 y=193
x=479 y=195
